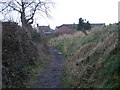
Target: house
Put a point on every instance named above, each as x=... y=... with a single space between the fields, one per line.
x=97 y=25
x=45 y=29
x=65 y=28
x=65 y=25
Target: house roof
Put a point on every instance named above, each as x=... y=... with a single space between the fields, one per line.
x=97 y=24
x=71 y=25
x=44 y=27
x=68 y=25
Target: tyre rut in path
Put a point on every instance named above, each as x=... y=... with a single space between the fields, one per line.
x=51 y=75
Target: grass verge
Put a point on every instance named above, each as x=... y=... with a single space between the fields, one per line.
x=100 y=70
x=35 y=71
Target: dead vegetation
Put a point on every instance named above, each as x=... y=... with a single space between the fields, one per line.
x=91 y=61
x=18 y=52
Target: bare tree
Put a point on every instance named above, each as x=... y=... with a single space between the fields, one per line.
x=26 y=8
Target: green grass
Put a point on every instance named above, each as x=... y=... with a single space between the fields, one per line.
x=35 y=70
x=66 y=82
x=60 y=47
x=95 y=37
x=110 y=71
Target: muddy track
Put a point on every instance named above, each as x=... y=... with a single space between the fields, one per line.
x=51 y=75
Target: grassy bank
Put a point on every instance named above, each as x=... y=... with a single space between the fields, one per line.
x=35 y=71
x=24 y=54
x=43 y=58
x=89 y=60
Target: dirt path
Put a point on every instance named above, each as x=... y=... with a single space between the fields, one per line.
x=51 y=75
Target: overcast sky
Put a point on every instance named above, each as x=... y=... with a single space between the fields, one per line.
x=69 y=12
x=94 y=11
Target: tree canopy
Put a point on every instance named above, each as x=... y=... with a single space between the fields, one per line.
x=26 y=8
x=82 y=25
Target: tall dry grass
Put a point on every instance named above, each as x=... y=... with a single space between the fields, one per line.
x=98 y=45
